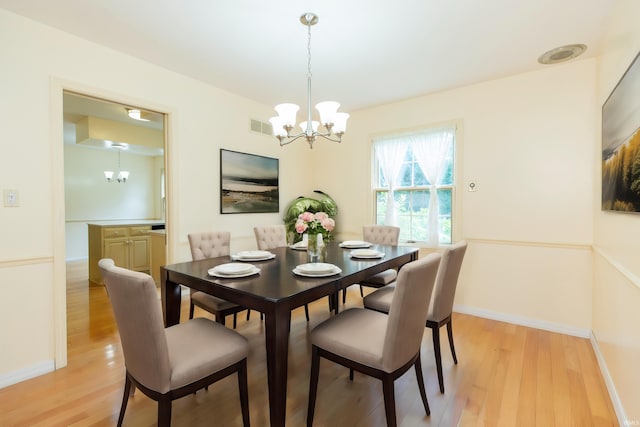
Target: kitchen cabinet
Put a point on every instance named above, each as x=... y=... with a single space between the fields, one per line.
x=127 y=244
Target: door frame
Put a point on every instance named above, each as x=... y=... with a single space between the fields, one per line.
x=56 y=88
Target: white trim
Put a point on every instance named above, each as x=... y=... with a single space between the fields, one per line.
x=26 y=373
x=633 y=278
x=611 y=388
x=525 y=321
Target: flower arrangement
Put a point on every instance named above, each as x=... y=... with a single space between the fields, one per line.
x=315 y=223
x=301 y=205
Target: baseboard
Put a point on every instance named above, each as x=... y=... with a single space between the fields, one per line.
x=26 y=373
x=524 y=321
x=611 y=388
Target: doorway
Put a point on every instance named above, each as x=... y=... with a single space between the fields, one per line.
x=114 y=171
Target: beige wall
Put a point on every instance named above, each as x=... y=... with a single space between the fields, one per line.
x=38 y=63
x=616 y=290
x=527 y=140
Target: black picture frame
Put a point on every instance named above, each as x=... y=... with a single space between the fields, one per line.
x=621 y=144
x=249 y=183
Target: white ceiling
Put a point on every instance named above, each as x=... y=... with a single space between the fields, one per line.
x=364 y=53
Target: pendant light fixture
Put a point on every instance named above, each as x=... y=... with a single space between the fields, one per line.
x=334 y=122
x=122 y=176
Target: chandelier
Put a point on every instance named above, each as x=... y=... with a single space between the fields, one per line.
x=121 y=176
x=334 y=122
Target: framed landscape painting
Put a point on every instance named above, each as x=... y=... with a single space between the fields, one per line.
x=248 y=183
x=621 y=144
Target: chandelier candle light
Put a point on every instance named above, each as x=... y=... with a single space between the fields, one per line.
x=333 y=121
x=122 y=175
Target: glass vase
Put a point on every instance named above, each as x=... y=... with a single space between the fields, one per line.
x=314 y=244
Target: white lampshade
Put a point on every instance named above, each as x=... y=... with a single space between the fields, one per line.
x=108 y=175
x=287 y=113
x=327 y=110
x=123 y=176
x=314 y=126
x=278 y=126
x=340 y=123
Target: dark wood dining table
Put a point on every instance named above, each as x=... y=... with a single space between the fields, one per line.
x=275 y=291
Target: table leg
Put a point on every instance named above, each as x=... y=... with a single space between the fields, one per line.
x=171 y=298
x=277 y=326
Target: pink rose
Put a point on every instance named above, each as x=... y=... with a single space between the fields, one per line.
x=328 y=224
x=306 y=216
x=321 y=216
x=301 y=226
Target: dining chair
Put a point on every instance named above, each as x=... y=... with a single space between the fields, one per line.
x=441 y=307
x=379 y=235
x=271 y=237
x=379 y=345
x=204 y=245
x=167 y=364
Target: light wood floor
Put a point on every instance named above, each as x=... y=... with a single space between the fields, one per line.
x=507 y=375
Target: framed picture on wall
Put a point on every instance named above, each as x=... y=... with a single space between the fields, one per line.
x=621 y=144
x=248 y=183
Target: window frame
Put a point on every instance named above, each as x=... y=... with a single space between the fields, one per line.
x=453 y=187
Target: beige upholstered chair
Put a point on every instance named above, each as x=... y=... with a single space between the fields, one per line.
x=210 y=245
x=379 y=345
x=380 y=235
x=270 y=237
x=441 y=307
x=166 y=364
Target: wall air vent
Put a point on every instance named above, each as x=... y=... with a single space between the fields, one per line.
x=261 y=127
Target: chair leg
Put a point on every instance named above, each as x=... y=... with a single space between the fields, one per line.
x=350 y=374
x=306 y=311
x=344 y=296
x=450 y=333
x=235 y=320
x=244 y=393
x=125 y=399
x=220 y=318
x=435 y=333
x=164 y=411
x=313 y=385
x=248 y=315
x=361 y=291
x=191 y=307
x=420 y=379
x=389 y=400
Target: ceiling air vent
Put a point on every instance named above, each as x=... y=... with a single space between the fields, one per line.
x=261 y=127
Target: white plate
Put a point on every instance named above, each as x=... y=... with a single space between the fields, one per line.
x=254 y=255
x=316 y=268
x=355 y=244
x=366 y=253
x=300 y=246
x=233 y=268
x=215 y=272
x=334 y=271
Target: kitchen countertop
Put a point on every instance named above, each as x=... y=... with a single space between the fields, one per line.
x=128 y=222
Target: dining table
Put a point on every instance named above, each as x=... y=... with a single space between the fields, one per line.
x=274 y=289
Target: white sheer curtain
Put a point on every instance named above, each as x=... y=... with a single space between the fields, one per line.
x=390 y=152
x=430 y=150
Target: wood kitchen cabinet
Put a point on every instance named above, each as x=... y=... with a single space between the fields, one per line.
x=127 y=244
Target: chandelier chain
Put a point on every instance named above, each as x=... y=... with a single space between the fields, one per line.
x=309 y=50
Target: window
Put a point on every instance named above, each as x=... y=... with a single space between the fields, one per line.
x=417 y=169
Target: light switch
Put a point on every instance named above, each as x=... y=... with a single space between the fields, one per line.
x=10 y=198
